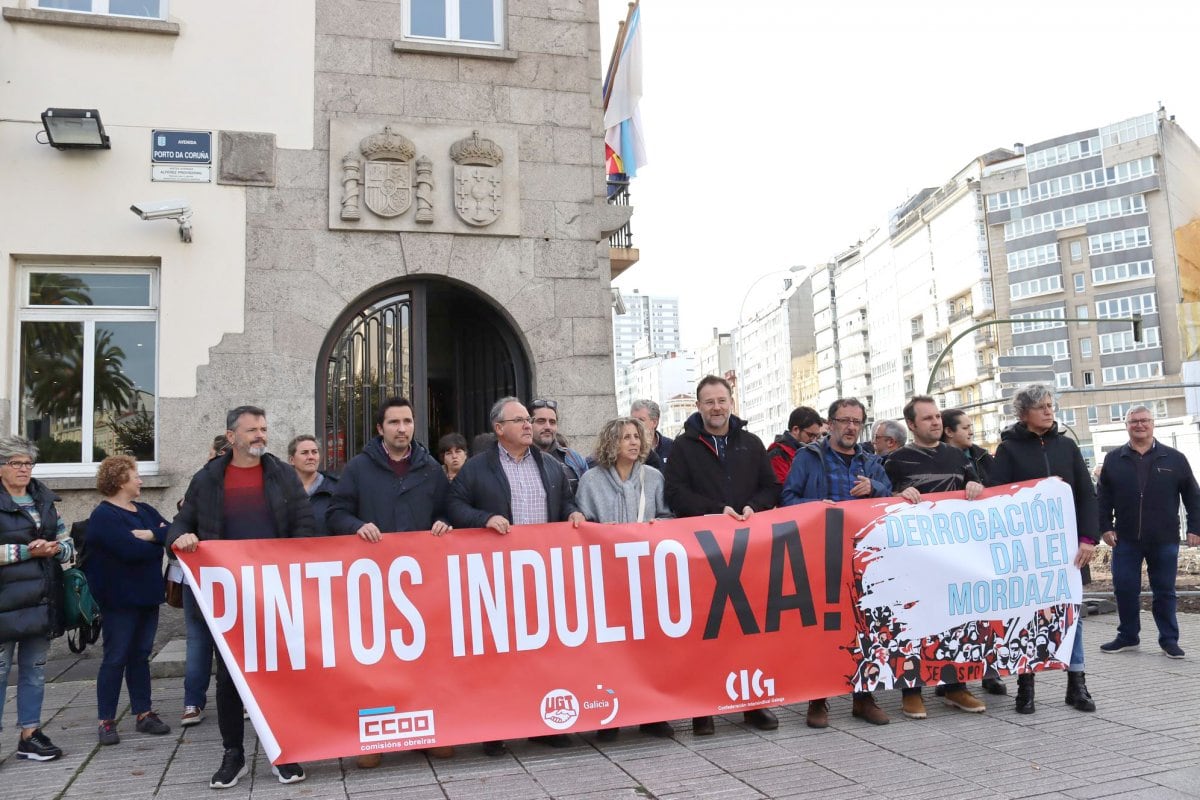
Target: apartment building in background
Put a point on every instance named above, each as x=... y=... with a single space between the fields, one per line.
x=1084 y=225
x=649 y=328
x=767 y=347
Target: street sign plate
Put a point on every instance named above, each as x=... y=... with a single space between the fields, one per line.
x=1024 y=361
x=1026 y=376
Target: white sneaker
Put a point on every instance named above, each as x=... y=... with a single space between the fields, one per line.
x=192 y=715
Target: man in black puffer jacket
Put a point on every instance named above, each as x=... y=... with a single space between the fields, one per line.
x=1035 y=448
x=719 y=467
x=246 y=493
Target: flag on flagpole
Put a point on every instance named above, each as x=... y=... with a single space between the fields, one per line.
x=624 y=148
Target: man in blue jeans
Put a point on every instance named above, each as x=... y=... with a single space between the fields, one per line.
x=197 y=671
x=1141 y=485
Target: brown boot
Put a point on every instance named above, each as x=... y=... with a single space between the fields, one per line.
x=368 y=761
x=818 y=714
x=865 y=708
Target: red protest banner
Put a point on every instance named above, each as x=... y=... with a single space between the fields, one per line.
x=419 y=641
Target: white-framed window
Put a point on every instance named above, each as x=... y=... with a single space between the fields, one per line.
x=1072 y=184
x=1076 y=251
x=1126 y=306
x=1117 y=411
x=1093 y=415
x=1080 y=283
x=86 y=381
x=1032 y=257
x=1062 y=380
x=1082 y=312
x=1129 y=271
x=1129 y=130
x=145 y=9
x=1122 y=341
x=1048 y=314
x=1066 y=415
x=1048 y=285
x=1074 y=216
x=479 y=23
x=1119 y=240
x=1061 y=154
x=1058 y=349
x=1085 y=347
x=1132 y=373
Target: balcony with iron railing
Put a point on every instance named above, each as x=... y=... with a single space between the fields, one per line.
x=621 y=253
x=962 y=312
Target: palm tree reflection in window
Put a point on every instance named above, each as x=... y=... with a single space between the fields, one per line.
x=52 y=370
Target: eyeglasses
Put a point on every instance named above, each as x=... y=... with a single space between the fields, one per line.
x=858 y=423
x=1127 y=422
x=550 y=404
x=19 y=464
x=520 y=420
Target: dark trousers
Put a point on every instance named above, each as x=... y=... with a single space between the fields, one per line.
x=1162 y=561
x=229 y=710
x=128 y=642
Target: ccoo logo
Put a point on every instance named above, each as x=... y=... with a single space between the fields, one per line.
x=744 y=685
x=560 y=709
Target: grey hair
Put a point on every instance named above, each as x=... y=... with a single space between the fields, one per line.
x=234 y=414
x=1139 y=407
x=497 y=412
x=17 y=446
x=893 y=430
x=650 y=407
x=1032 y=395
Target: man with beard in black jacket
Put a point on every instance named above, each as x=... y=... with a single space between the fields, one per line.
x=719 y=467
x=393 y=486
x=1035 y=448
x=246 y=493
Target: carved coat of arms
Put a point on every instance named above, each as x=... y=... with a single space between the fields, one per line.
x=478 y=180
x=386 y=175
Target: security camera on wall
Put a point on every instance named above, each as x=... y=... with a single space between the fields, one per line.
x=168 y=209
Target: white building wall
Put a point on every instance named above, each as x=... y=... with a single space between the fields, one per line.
x=170 y=82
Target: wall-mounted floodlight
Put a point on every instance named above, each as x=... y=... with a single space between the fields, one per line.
x=75 y=128
x=168 y=209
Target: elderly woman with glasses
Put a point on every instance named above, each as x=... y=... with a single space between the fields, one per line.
x=33 y=546
x=124 y=568
x=622 y=489
x=1035 y=447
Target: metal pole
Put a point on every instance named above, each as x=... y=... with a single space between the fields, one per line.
x=1135 y=320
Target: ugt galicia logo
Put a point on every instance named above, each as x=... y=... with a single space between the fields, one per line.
x=560 y=709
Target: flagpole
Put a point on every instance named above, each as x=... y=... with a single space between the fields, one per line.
x=618 y=45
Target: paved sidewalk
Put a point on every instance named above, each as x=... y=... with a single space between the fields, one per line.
x=1141 y=743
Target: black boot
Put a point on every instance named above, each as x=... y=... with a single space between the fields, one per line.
x=1077 y=692
x=1025 y=693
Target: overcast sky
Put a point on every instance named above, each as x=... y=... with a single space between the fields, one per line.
x=780 y=131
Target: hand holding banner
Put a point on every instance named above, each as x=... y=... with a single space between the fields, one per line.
x=419 y=641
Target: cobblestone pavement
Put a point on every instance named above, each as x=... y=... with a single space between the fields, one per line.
x=1141 y=743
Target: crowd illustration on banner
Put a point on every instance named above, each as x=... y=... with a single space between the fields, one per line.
x=955 y=567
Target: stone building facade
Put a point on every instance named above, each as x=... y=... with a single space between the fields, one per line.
x=388 y=213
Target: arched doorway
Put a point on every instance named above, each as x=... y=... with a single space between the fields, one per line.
x=435 y=342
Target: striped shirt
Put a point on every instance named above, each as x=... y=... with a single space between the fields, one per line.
x=525 y=483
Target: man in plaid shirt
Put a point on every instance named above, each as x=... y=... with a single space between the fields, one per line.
x=512 y=483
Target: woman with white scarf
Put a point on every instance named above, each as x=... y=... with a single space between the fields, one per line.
x=622 y=489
